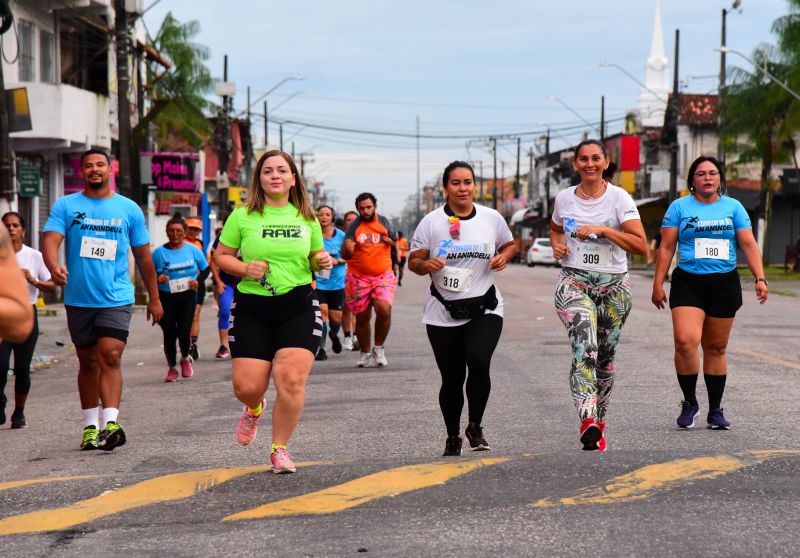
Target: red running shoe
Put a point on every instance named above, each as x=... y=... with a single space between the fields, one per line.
x=247 y=428
x=186 y=368
x=601 y=445
x=590 y=434
x=172 y=374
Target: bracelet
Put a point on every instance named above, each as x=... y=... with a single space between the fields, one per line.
x=762 y=279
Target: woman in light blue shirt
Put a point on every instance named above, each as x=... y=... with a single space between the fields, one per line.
x=706 y=228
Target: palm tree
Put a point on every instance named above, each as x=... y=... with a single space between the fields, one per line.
x=179 y=106
x=755 y=123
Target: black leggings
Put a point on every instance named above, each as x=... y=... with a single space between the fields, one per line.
x=23 y=355
x=469 y=346
x=177 y=322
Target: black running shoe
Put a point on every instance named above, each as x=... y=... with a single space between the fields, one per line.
x=3 y=402
x=194 y=354
x=689 y=412
x=452 y=446
x=716 y=420
x=336 y=344
x=321 y=355
x=474 y=435
x=112 y=436
x=18 y=419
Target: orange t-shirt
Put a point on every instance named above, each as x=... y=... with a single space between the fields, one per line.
x=372 y=256
x=402 y=247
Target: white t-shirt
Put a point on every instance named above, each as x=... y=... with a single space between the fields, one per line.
x=467 y=259
x=611 y=209
x=31 y=259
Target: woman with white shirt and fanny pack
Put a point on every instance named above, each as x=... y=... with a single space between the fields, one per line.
x=594 y=226
x=460 y=245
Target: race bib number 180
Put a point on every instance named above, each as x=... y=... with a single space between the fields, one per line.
x=711 y=248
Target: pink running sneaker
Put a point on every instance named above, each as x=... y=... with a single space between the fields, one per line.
x=248 y=425
x=172 y=374
x=282 y=462
x=186 y=368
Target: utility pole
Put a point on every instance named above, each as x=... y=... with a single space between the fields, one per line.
x=292 y=149
x=530 y=176
x=6 y=179
x=266 y=127
x=494 y=184
x=547 y=175
x=672 y=125
x=280 y=134
x=419 y=194
x=602 y=117
x=124 y=185
x=722 y=79
x=480 y=172
x=516 y=178
x=223 y=142
x=248 y=156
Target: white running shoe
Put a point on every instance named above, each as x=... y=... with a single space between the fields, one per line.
x=366 y=361
x=347 y=344
x=379 y=357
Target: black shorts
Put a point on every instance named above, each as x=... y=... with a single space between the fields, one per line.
x=263 y=325
x=334 y=299
x=719 y=295
x=401 y=262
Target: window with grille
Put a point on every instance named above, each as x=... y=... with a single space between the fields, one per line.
x=27 y=55
x=47 y=57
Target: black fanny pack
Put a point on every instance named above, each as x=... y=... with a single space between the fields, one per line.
x=468 y=308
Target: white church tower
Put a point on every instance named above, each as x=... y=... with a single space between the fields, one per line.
x=653 y=99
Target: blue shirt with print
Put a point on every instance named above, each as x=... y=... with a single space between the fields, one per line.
x=333 y=246
x=186 y=261
x=718 y=220
x=98 y=283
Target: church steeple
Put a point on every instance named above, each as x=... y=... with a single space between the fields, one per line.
x=656 y=77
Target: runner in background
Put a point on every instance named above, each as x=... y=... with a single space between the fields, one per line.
x=38 y=278
x=330 y=283
x=180 y=267
x=224 y=289
x=194 y=232
x=402 y=254
x=350 y=343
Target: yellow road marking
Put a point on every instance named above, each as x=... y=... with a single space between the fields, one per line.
x=16 y=484
x=365 y=489
x=768 y=358
x=176 y=486
x=643 y=483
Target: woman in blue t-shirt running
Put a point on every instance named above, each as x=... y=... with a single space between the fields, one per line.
x=180 y=267
x=706 y=228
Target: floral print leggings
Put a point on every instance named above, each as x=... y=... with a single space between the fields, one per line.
x=593 y=307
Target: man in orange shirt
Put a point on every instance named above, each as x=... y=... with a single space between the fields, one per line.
x=402 y=254
x=370 y=280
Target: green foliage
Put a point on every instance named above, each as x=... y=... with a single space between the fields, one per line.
x=179 y=92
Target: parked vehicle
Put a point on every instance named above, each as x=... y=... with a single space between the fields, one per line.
x=541 y=253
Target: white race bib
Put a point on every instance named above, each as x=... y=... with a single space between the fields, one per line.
x=455 y=279
x=323 y=274
x=593 y=254
x=98 y=248
x=179 y=285
x=712 y=248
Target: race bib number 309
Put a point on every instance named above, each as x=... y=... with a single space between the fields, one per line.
x=593 y=254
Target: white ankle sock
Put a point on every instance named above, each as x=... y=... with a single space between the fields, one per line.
x=91 y=417
x=110 y=414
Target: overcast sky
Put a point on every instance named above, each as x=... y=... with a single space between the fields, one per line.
x=465 y=67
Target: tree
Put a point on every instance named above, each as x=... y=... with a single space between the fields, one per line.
x=179 y=106
x=755 y=124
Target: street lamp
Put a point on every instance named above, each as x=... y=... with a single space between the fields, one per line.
x=607 y=64
x=298 y=77
x=572 y=110
x=764 y=71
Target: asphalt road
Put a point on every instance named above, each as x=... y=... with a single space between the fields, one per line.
x=372 y=480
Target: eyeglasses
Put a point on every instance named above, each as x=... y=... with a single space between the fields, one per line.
x=703 y=174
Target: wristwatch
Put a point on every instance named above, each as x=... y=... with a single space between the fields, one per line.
x=762 y=279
